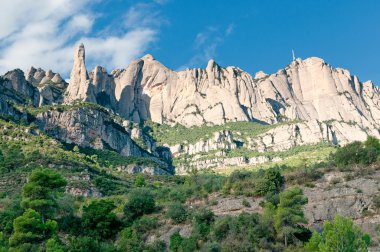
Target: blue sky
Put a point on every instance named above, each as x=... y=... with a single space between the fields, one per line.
x=253 y=35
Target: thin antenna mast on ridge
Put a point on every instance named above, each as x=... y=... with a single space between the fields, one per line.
x=294 y=56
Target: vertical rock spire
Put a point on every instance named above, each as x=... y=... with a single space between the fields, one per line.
x=79 y=85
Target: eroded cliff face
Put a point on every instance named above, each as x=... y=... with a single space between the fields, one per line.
x=274 y=140
x=306 y=89
x=329 y=105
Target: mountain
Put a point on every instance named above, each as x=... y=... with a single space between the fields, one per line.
x=196 y=118
x=305 y=90
x=100 y=129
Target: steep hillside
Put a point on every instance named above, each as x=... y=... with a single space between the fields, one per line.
x=217 y=118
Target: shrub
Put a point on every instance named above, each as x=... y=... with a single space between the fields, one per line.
x=175 y=242
x=339 y=235
x=139 y=180
x=272 y=181
x=145 y=224
x=202 y=220
x=84 y=243
x=177 y=212
x=348 y=154
x=245 y=203
x=357 y=152
x=98 y=219
x=140 y=201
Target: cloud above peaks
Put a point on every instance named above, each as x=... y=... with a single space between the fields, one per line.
x=45 y=33
x=206 y=43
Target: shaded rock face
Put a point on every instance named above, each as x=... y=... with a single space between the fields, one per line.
x=36 y=87
x=305 y=89
x=15 y=80
x=88 y=128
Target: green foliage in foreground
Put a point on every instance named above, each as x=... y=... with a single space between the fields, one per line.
x=41 y=191
x=341 y=235
x=289 y=215
x=125 y=222
x=358 y=152
x=39 y=201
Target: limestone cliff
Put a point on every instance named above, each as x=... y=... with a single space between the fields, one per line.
x=306 y=90
x=319 y=102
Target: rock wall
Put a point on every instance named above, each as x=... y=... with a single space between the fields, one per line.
x=306 y=89
x=275 y=139
x=87 y=128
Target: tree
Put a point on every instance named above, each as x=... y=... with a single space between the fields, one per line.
x=140 y=180
x=83 y=243
x=177 y=212
x=42 y=190
x=99 y=221
x=271 y=182
x=54 y=245
x=339 y=236
x=140 y=201
x=30 y=230
x=289 y=214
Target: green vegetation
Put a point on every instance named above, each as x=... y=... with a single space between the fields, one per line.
x=289 y=215
x=341 y=235
x=358 y=153
x=177 y=212
x=37 y=223
x=115 y=211
x=180 y=134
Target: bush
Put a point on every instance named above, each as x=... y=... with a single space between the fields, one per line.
x=245 y=203
x=140 y=201
x=99 y=221
x=339 y=235
x=271 y=182
x=202 y=220
x=139 y=180
x=145 y=224
x=84 y=243
x=178 y=243
x=357 y=152
x=175 y=242
x=177 y=212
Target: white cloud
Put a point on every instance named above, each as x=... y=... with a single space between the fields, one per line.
x=206 y=44
x=144 y=15
x=117 y=52
x=44 y=33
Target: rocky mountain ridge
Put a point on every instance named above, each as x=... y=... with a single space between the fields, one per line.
x=305 y=89
x=320 y=104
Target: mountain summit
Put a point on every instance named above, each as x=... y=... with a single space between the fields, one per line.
x=305 y=90
x=307 y=102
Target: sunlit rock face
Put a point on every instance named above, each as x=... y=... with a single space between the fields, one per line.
x=305 y=89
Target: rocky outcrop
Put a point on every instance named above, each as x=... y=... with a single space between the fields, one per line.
x=346 y=194
x=80 y=87
x=16 y=82
x=133 y=169
x=214 y=152
x=88 y=128
x=306 y=89
x=94 y=128
x=50 y=85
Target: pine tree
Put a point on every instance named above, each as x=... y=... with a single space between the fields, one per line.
x=289 y=214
